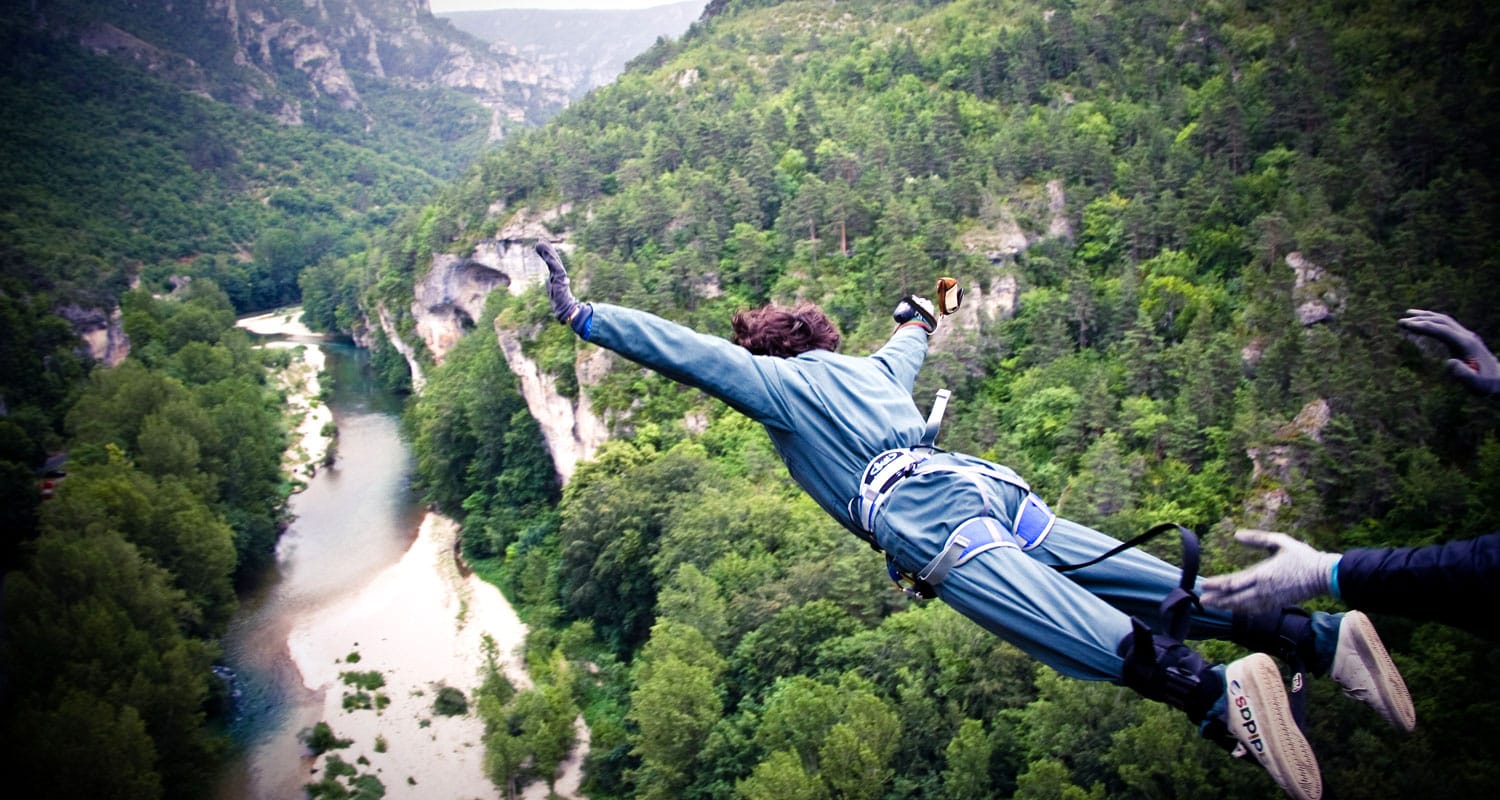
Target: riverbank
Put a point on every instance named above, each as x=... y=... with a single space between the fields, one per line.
x=420 y=626
x=412 y=618
x=311 y=420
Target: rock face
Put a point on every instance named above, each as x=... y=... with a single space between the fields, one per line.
x=1318 y=295
x=583 y=49
x=388 y=326
x=1280 y=463
x=291 y=57
x=102 y=332
x=450 y=299
x=570 y=428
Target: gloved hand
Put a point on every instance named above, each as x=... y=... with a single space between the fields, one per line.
x=1294 y=572
x=564 y=305
x=915 y=309
x=1475 y=365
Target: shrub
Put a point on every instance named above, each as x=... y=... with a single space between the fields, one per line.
x=450 y=702
x=320 y=739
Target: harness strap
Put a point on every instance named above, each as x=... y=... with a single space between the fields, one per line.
x=1181 y=601
x=975 y=536
x=935 y=418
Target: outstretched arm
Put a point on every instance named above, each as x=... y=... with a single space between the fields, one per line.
x=1457 y=583
x=904 y=353
x=749 y=384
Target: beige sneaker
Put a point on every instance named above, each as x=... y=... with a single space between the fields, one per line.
x=1260 y=718
x=1363 y=668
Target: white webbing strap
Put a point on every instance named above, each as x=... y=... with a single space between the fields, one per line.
x=960 y=547
x=935 y=418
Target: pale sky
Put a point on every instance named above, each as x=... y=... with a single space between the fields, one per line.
x=442 y=6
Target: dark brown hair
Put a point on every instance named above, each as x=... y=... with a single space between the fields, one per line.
x=785 y=332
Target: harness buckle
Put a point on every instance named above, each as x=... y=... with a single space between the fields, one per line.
x=882 y=474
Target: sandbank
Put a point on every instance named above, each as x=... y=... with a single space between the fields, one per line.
x=420 y=625
x=283 y=321
x=299 y=381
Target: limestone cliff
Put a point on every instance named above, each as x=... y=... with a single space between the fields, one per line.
x=583 y=48
x=1281 y=463
x=102 y=332
x=292 y=57
x=449 y=299
x=393 y=334
x=570 y=428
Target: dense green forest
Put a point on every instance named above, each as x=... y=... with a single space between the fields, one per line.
x=166 y=166
x=173 y=491
x=1226 y=207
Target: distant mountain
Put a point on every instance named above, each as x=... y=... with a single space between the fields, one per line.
x=300 y=60
x=238 y=140
x=582 y=49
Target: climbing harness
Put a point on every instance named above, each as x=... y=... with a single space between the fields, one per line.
x=1031 y=523
x=888 y=468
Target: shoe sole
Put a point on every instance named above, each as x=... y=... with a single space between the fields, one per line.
x=1262 y=721
x=1395 y=705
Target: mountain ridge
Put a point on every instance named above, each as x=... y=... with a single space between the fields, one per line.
x=584 y=48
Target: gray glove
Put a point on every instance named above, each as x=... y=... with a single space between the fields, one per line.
x=1475 y=365
x=564 y=305
x=1294 y=572
x=918 y=309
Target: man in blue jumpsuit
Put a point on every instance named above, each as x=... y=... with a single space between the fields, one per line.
x=848 y=430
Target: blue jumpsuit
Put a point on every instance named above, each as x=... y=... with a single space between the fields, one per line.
x=829 y=414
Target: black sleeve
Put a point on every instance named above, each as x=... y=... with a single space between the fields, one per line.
x=1457 y=583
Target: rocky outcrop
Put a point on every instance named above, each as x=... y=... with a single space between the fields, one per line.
x=305 y=49
x=1317 y=297
x=1317 y=294
x=1001 y=237
x=449 y=299
x=570 y=428
x=981 y=307
x=1061 y=227
x=102 y=332
x=393 y=335
x=582 y=49
x=107 y=40
x=1280 y=463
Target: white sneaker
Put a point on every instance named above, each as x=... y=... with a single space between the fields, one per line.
x=1260 y=718
x=1363 y=668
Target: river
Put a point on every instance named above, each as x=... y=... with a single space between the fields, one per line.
x=363 y=580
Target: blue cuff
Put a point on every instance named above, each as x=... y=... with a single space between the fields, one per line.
x=583 y=321
x=1333 y=581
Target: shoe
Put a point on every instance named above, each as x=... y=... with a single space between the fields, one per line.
x=1260 y=719
x=1363 y=668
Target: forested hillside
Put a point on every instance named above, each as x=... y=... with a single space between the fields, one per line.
x=1191 y=228
x=206 y=153
x=173 y=492
x=147 y=142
